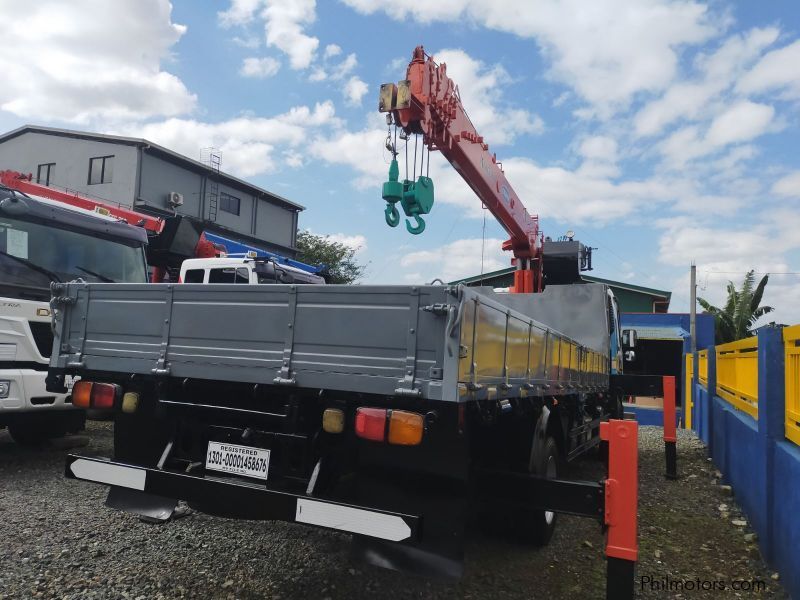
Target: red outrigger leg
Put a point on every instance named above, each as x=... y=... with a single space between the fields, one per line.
x=621 y=506
x=670 y=435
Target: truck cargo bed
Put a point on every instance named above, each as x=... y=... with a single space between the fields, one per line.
x=442 y=343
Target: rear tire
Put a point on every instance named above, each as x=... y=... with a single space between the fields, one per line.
x=32 y=433
x=537 y=526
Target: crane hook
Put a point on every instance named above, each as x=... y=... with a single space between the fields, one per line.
x=392 y=214
x=415 y=229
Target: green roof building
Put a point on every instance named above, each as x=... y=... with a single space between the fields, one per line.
x=631 y=298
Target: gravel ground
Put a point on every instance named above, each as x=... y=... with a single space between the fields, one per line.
x=58 y=541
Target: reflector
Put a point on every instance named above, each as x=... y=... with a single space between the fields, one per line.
x=371 y=423
x=130 y=402
x=333 y=420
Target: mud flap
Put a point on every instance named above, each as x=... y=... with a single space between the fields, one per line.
x=439 y=551
x=408 y=559
x=151 y=507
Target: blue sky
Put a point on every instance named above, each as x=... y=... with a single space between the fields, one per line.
x=661 y=132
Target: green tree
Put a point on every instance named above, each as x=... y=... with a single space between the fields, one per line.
x=736 y=319
x=338 y=259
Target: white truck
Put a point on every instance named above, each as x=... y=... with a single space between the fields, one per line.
x=44 y=241
x=249 y=269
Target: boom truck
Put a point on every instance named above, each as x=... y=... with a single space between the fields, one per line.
x=393 y=413
x=51 y=235
x=44 y=241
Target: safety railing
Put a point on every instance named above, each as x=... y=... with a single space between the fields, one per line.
x=702 y=367
x=791 y=345
x=737 y=374
x=687 y=418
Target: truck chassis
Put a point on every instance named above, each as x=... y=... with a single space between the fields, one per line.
x=504 y=399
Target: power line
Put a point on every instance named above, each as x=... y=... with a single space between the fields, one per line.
x=754 y=272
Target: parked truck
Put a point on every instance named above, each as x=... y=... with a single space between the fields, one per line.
x=389 y=412
x=42 y=241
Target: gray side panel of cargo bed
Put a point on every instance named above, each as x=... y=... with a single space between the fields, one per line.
x=371 y=339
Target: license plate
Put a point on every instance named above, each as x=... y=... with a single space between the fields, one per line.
x=238 y=460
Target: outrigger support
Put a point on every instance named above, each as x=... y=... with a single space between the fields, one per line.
x=612 y=501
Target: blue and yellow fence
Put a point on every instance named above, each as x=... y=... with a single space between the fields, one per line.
x=744 y=403
x=688 y=382
x=737 y=374
x=791 y=343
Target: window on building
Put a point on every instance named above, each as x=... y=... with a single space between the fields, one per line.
x=229 y=275
x=101 y=169
x=46 y=173
x=229 y=203
x=194 y=276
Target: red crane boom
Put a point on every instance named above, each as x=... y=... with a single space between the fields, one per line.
x=428 y=103
x=24 y=183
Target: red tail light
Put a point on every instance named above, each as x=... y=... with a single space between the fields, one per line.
x=399 y=427
x=87 y=394
x=103 y=395
x=371 y=423
x=82 y=394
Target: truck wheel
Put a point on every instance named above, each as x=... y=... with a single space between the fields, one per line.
x=32 y=434
x=619 y=409
x=537 y=526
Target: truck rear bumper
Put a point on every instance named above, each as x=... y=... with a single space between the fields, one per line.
x=272 y=504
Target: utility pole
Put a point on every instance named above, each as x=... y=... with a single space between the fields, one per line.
x=693 y=308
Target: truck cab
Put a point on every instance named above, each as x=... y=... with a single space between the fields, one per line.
x=43 y=241
x=249 y=269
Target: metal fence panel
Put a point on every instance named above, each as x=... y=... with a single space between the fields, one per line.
x=702 y=367
x=791 y=342
x=688 y=385
x=737 y=374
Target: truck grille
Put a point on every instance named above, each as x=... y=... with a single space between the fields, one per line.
x=42 y=337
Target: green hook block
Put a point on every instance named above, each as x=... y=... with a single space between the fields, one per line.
x=416 y=198
x=393 y=189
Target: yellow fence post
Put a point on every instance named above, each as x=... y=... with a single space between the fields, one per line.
x=687 y=409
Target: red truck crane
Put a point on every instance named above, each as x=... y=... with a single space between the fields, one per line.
x=171 y=239
x=427 y=102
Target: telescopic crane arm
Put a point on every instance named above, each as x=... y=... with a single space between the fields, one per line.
x=428 y=103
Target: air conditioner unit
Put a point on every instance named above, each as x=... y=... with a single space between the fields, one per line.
x=175 y=199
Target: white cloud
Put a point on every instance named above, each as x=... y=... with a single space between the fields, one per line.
x=356 y=242
x=363 y=151
x=284 y=25
x=606 y=50
x=464 y=259
x=481 y=88
x=240 y=12
x=740 y=123
x=260 y=68
x=332 y=50
x=788 y=186
x=354 y=90
x=251 y=43
x=777 y=70
x=73 y=62
x=692 y=98
x=249 y=145
x=726 y=253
